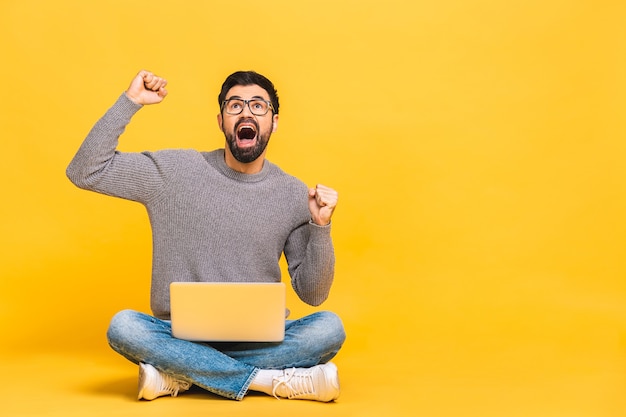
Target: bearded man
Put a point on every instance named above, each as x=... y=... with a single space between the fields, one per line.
x=219 y=216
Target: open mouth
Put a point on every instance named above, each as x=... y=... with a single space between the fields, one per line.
x=246 y=132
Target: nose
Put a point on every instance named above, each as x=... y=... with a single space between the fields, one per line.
x=246 y=111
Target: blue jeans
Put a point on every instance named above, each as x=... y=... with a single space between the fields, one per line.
x=226 y=369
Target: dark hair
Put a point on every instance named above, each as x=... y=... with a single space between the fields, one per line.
x=249 y=78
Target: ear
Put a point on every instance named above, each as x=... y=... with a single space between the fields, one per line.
x=274 y=123
x=219 y=121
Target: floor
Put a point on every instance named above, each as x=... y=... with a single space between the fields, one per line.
x=429 y=378
x=545 y=347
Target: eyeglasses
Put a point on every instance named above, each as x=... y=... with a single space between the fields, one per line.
x=257 y=106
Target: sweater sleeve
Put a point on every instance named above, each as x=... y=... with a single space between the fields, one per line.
x=99 y=166
x=311 y=262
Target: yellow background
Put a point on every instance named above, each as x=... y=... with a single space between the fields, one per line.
x=478 y=148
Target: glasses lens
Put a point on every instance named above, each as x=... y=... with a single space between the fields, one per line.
x=234 y=106
x=258 y=107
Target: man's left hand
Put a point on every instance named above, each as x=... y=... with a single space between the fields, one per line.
x=322 y=203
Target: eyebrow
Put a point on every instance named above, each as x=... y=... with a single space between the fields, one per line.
x=240 y=98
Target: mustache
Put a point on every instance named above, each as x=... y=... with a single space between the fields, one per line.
x=248 y=120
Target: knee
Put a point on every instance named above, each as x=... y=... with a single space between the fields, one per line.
x=336 y=325
x=123 y=326
x=329 y=329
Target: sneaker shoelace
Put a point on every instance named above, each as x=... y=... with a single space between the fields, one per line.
x=171 y=385
x=296 y=385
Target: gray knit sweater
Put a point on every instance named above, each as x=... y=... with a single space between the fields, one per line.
x=209 y=223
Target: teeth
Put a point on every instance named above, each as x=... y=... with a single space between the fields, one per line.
x=246 y=132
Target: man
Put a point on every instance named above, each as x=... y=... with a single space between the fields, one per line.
x=229 y=213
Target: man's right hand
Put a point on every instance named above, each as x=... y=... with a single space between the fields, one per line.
x=147 y=88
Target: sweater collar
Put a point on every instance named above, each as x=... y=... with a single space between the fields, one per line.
x=216 y=159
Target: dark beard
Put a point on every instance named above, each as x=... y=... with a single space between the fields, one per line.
x=247 y=155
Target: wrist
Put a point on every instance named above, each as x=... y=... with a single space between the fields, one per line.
x=319 y=224
x=133 y=99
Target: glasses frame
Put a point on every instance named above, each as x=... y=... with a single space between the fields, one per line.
x=247 y=103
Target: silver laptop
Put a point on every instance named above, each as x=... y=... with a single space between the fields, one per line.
x=228 y=312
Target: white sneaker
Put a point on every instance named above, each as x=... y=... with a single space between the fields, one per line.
x=154 y=384
x=319 y=383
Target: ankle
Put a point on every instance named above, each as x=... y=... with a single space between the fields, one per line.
x=263 y=381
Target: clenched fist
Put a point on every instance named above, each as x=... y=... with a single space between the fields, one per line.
x=322 y=203
x=147 y=88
